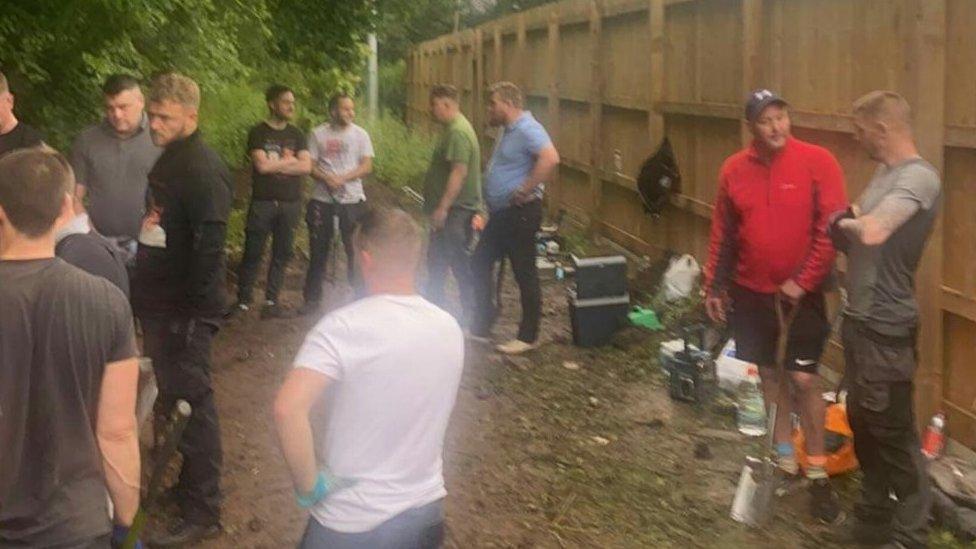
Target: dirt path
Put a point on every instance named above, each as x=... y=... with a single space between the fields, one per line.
x=522 y=465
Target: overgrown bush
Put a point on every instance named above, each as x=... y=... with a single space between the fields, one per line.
x=402 y=155
x=225 y=118
x=392 y=91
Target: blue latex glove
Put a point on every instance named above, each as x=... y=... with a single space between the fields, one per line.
x=320 y=490
x=119 y=533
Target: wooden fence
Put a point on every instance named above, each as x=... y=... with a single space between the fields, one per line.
x=610 y=78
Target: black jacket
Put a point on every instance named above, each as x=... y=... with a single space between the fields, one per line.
x=193 y=188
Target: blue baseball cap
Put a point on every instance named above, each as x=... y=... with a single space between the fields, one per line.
x=759 y=100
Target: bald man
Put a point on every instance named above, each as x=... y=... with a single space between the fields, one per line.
x=391 y=363
x=883 y=235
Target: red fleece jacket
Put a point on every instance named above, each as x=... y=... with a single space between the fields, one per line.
x=770 y=220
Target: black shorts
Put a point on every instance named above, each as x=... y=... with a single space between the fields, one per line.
x=756 y=329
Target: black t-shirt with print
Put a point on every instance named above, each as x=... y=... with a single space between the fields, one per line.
x=276 y=144
x=59 y=327
x=20 y=137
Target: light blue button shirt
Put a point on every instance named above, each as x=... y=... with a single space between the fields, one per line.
x=513 y=159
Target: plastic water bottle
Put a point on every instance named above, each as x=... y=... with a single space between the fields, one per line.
x=751 y=416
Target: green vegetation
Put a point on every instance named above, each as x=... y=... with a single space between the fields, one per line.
x=402 y=155
x=56 y=54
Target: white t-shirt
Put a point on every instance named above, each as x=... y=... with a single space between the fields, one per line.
x=396 y=363
x=339 y=151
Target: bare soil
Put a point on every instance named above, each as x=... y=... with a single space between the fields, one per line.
x=537 y=455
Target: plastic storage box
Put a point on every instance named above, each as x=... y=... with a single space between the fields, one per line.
x=594 y=321
x=600 y=276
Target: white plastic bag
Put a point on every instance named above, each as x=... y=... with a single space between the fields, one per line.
x=730 y=370
x=680 y=278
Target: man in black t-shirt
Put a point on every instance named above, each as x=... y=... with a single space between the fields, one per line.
x=279 y=157
x=13 y=133
x=68 y=375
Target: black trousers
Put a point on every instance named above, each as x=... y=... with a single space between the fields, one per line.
x=180 y=351
x=267 y=217
x=448 y=250
x=509 y=233
x=319 y=218
x=879 y=372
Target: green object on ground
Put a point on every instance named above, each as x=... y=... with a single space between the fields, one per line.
x=645 y=318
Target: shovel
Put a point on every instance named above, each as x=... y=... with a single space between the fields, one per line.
x=172 y=434
x=753 y=501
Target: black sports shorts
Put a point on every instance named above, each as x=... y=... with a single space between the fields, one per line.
x=756 y=329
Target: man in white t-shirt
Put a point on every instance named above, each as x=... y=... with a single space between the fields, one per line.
x=387 y=368
x=342 y=154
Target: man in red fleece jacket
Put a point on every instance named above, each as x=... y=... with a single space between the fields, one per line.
x=769 y=236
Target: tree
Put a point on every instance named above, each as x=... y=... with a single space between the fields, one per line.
x=56 y=53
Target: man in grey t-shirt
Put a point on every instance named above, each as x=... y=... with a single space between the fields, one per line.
x=112 y=160
x=883 y=235
x=68 y=375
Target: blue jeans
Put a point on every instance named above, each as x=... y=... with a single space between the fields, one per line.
x=417 y=528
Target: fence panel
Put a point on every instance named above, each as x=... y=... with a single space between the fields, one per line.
x=610 y=78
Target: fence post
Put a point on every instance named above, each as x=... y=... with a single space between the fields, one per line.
x=521 y=76
x=497 y=68
x=927 y=81
x=552 y=78
x=596 y=116
x=477 y=101
x=655 y=120
x=752 y=62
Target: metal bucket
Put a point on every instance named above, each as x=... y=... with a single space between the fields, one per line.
x=752 y=504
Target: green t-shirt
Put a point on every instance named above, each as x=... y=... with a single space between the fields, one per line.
x=458 y=144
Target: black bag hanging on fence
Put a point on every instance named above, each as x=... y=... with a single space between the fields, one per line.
x=658 y=179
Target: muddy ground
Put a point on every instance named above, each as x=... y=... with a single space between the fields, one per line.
x=537 y=455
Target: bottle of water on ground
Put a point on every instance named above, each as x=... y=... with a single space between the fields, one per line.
x=751 y=416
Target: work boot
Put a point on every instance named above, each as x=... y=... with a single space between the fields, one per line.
x=824 y=504
x=181 y=533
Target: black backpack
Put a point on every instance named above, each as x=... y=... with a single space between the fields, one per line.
x=658 y=179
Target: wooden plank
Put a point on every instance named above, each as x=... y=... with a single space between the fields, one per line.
x=712 y=110
x=655 y=120
x=926 y=73
x=960 y=136
x=958 y=304
x=841 y=123
x=596 y=111
x=552 y=87
x=630 y=241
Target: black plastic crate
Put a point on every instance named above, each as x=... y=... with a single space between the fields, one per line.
x=594 y=321
x=600 y=276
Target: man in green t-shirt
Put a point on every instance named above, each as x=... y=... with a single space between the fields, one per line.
x=452 y=197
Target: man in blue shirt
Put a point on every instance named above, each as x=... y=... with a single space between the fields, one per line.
x=523 y=159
